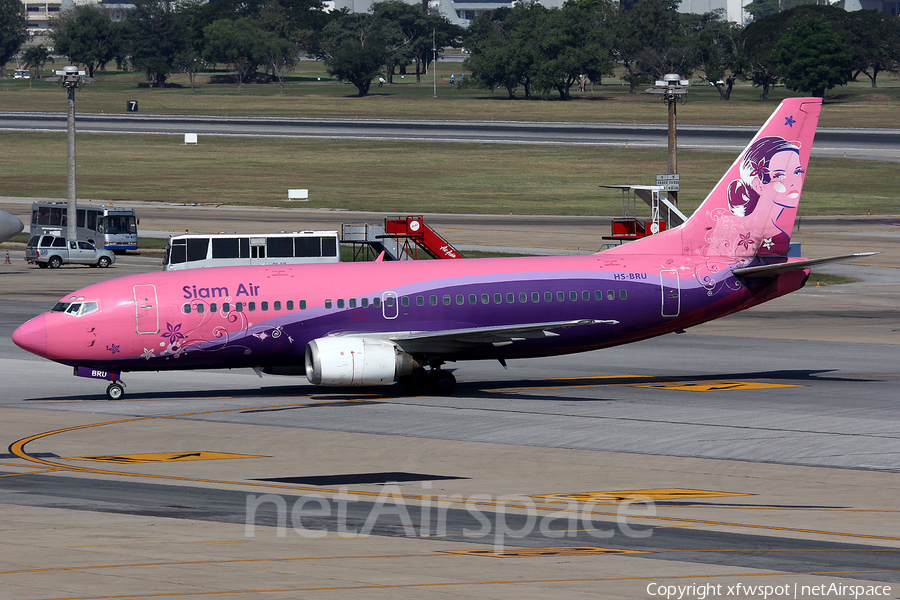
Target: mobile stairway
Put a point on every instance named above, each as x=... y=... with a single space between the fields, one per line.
x=399 y=239
x=413 y=233
x=663 y=214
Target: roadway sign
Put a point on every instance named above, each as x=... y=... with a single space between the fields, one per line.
x=669 y=183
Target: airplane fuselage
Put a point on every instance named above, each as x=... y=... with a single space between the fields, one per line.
x=266 y=316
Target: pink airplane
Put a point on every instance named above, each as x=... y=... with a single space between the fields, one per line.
x=374 y=323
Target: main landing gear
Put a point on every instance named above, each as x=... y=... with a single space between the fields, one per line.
x=115 y=390
x=438 y=382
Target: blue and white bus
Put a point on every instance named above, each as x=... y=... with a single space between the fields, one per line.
x=104 y=226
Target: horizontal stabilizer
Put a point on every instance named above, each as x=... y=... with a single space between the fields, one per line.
x=776 y=269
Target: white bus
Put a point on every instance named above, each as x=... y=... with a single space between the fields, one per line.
x=104 y=226
x=194 y=251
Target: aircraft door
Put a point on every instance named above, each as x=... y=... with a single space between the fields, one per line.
x=146 y=311
x=671 y=292
x=389 y=307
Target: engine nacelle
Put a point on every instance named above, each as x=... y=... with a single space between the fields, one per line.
x=355 y=361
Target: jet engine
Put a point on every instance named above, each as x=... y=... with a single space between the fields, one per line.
x=355 y=361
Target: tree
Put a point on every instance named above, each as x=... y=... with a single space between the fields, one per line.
x=236 y=42
x=812 y=57
x=718 y=46
x=87 y=37
x=157 y=36
x=13 y=30
x=574 y=42
x=875 y=40
x=352 y=50
x=278 y=55
x=497 y=55
x=651 y=42
x=36 y=57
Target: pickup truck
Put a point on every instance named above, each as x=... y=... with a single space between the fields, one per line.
x=53 y=252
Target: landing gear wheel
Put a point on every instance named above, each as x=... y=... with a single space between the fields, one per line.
x=115 y=391
x=416 y=380
x=441 y=383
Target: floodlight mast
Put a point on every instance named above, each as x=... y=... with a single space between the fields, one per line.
x=71 y=79
x=672 y=88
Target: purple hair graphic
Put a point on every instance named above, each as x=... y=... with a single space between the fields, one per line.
x=742 y=197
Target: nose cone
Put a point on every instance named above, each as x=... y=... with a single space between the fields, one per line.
x=32 y=336
x=9 y=226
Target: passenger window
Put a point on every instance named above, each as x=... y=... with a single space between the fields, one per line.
x=523 y=297
x=352 y=302
x=303 y=305
x=485 y=299
x=460 y=299
x=265 y=305
x=573 y=296
x=598 y=295
x=251 y=306
x=239 y=307
x=548 y=297
x=585 y=295
x=446 y=300
x=365 y=302
x=610 y=295
x=212 y=307
x=535 y=297
x=420 y=300
x=404 y=301
x=432 y=300
x=498 y=298
x=290 y=305
x=328 y=303
x=560 y=296
x=202 y=309
x=340 y=302
x=186 y=309
x=226 y=308
x=623 y=294
x=277 y=305
x=376 y=302
x=510 y=298
x=473 y=299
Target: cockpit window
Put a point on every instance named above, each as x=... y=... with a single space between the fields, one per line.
x=76 y=308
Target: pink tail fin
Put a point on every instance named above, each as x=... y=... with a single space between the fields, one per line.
x=751 y=210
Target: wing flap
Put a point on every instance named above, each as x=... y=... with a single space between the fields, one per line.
x=453 y=340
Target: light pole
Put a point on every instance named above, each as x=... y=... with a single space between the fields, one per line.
x=71 y=78
x=672 y=88
x=434 y=59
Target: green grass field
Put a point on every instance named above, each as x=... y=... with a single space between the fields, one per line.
x=397 y=176
x=310 y=92
x=408 y=176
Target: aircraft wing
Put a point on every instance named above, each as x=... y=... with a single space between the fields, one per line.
x=452 y=340
x=786 y=267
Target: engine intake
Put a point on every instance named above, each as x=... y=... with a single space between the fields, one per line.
x=355 y=361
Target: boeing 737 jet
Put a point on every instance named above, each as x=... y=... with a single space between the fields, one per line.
x=374 y=323
x=10 y=226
